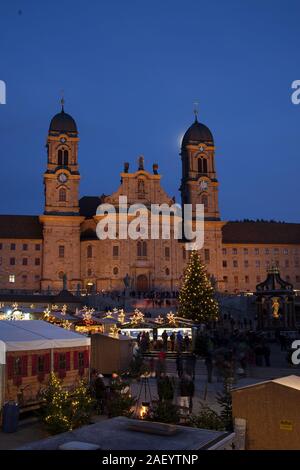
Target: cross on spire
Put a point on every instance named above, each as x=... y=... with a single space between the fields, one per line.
x=196 y=110
x=62 y=101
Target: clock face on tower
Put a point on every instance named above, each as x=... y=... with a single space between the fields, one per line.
x=62 y=178
x=203 y=185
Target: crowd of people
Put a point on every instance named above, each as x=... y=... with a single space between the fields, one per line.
x=172 y=341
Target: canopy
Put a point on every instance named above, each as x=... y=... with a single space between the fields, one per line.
x=30 y=335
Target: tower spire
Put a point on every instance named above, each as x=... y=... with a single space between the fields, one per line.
x=62 y=101
x=196 y=110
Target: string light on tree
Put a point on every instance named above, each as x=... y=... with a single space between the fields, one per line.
x=197 y=297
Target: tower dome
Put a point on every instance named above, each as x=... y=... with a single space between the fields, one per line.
x=197 y=133
x=63 y=123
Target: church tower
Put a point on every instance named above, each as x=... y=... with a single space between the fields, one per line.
x=61 y=220
x=199 y=184
x=61 y=179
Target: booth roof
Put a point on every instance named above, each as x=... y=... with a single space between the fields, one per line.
x=31 y=335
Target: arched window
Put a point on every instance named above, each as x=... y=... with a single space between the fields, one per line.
x=139 y=249
x=60 y=157
x=63 y=157
x=66 y=158
x=89 y=251
x=167 y=272
x=202 y=165
x=62 y=195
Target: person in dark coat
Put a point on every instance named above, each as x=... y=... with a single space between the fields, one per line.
x=191 y=365
x=165 y=340
x=179 y=364
x=187 y=389
x=100 y=393
x=172 y=339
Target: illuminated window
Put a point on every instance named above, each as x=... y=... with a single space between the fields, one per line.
x=12 y=278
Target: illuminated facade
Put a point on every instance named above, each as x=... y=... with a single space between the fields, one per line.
x=42 y=252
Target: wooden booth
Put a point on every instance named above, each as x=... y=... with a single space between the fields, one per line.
x=32 y=349
x=271 y=411
x=111 y=353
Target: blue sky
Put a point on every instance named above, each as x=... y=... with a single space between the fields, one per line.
x=130 y=71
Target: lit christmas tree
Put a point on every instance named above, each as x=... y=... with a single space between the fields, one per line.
x=196 y=296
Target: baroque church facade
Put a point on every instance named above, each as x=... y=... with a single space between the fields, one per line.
x=41 y=253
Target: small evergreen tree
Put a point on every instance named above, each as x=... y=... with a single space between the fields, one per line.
x=196 y=296
x=207 y=418
x=120 y=401
x=81 y=406
x=55 y=413
x=225 y=401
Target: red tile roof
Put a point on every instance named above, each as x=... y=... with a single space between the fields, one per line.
x=20 y=226
x=261 y=232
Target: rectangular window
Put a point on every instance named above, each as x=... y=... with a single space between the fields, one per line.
x=62 y=362
x=12 y=246
x=1 y=246
x=41 y=364
x=276 y=251
x=25 y=261
x=206 y=255
x=257 y=263
x=37 y=261
x=285 y=251
x=12 y=278
x=81 y=360
x=267 y=251
x=37 y=247
x=167 y=252
x=256 y=251
x=247 y=279
x=184 y=253
x=225 y=279
x=246 y=263
x=17 y=366
x=297 y=278
x=234 y=251
x=0 y=260
x=235 y=263
x=224 y=263
x=236 y=280
x=115 y=251
x=12 y=261
x=224 y=251
x=61 y=251
x=297 y=262
x=25 y=247
x=245 y=251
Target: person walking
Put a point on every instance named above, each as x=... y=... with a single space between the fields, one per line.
x=179 y=365
x=191 y=365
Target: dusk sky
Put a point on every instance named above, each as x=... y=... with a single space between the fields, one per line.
x=130 y=71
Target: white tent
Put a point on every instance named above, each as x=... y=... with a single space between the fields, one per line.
x=18 y=335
